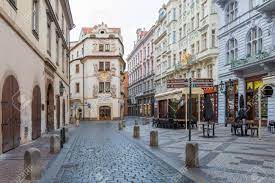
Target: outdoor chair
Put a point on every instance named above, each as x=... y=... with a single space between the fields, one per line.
x=253 y=130
x=271 y=126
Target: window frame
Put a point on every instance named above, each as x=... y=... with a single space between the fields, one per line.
x=35 y=18
x=231 y=48
x=256 y=41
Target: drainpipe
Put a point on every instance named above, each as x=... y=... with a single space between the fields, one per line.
x=83 y=92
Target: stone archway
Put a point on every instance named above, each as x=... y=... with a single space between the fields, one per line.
x=50 y=108
x=36 y=113
x=10 y=114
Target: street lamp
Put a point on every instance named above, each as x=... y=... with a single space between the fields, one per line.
x=61 y=88
x=224 y=87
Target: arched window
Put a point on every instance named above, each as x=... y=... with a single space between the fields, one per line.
x=232 y=50
x=231 y=11
x=254 y=41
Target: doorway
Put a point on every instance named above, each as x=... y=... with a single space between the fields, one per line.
x=36 y=113
x=10 y=114
x=50 y=108
x=105 y=113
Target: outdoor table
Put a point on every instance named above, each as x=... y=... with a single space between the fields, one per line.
x=208 y=128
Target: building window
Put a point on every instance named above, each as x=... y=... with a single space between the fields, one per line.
x=174 y=59
x=57 y=49
x=254 y=41
x=107 y=66
x=198 y=46
x=174 y=37
x=180 y=33
x=49 y=34
x=104 y=87
x=77 y=88
x=193 y=49
x=13 y=3
x=35 y=18
x=62 y=23
x=252 y=4
x=198 y=19
x=174 y=13
x=63 y=61
x=192 y=23
x=101 y=66
x=204 y=9
x=107 y=47
x=77 y=68
x=204 y=41
x=107 y=87
x=193 y=74
x=57 y=8
x=232 y=50
x=198 y=73
x=101 y=47
x=210 y=71
x=101 y=87
x=213 y=38
x=231 y=11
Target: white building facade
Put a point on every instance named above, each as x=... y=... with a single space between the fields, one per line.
x=34 y=82
x=247 y=57
x=141 y=75
x=97 y=74
x=185 y=47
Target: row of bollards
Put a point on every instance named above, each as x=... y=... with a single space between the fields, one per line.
x=32 y=157
x=191 y=151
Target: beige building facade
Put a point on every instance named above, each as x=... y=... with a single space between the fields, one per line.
x=34 y=83
x=97 y=74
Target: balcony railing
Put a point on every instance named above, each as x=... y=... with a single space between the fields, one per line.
x=253 y=59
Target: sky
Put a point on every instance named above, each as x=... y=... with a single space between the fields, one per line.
x=129 y=15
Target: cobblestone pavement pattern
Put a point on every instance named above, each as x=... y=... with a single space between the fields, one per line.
x=100 y=154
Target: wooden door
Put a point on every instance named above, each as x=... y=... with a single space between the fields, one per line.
x=10 y=114
x=36 y=113
x=58 y=112
x=50 y=109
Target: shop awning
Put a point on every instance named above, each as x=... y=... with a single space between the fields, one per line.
x=169 y=95
x=269 y=80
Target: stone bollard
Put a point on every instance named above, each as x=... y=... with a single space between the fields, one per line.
x=136 y=123
x=192 y=155
x=154 y=138
x=120 y=126
x=123 y=123
x=55 y=144
x=32 y=166
x=66 y=134
x=136 y=131
x=77 y=123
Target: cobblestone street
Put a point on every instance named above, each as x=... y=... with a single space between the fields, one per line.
x=98 y=153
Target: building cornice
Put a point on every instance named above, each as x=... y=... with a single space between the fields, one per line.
x=83 y=40
x=141 y=42
x=59 y=30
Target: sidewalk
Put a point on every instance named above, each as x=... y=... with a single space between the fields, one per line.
x=225 y=158
x=12 y=162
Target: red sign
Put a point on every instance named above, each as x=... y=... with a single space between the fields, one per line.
x=210 y=90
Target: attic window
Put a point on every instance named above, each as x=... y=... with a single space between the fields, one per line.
x=102 y=32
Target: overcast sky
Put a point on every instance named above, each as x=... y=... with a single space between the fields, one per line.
x=126 y=14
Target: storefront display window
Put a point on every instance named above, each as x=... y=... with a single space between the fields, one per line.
x=252 y=88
